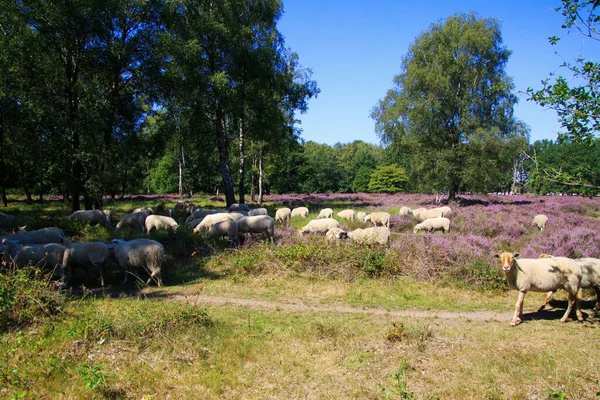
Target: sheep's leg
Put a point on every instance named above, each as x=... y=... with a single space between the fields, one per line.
x=518 y=310
x=155 y=274
x=548 y=297
x=572 y=298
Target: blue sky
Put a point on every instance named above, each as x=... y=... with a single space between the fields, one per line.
x=355 y=47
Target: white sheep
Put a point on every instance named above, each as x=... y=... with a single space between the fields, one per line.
x=92 y=217
x=346 y=214
x=147 y=210
x=433 y=224
x=445 y=211
x=194 y=223
x=300 y=212
x=283 y=215
x=319 y=226
x=257 y=211
x=235 y=215
x=404 y=211
x=211 y=219
x=160 y=222
x=40 y=236
x=361 y=216
x=89 y=253
x=136 y=220
x=139 y=253
x=336 y=234
x=8 y=222
x=590 y=278
x=370 y=236
x=541 y=275
x=431 y=213
x=325 y=213
x=540 y=221
x=238 y=207
x=199 y=213
x=229 y=228
x=257 y=224
x=49 y=256
x=418 y=211
x=379 y=218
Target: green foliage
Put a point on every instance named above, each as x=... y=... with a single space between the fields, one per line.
x=577 y=104
x=388 y=179
x=164 y=177
x=92 y=375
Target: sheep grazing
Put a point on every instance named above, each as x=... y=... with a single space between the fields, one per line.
x=202 y=213
x=257 y=211
x=146 y=210
x=590 y=278
x=283 y=215
x=428 y=214
x=92 y=217
x=257 y=224
x=418 y=211
x=319 y=226
x=325 y=213
x=379 y=218
x=541 y=275
x=300 y=212
x=8 y=222
x=211 y=219
x=235 y=215
x=433 y=224
x=194 y=223
x=136 y=220
x=540 y=221
x=160 y=222
x=370 y=236
x=90 y=253
x=238 y=207
x=229 y=228
x=139 y=253
x=445 y=211
x=48 y=256
x=361 y=216
x=346 y=214
x=404 y=211
x=109 y=217
x=41 y=236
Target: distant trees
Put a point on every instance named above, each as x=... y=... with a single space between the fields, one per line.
x=451 y=103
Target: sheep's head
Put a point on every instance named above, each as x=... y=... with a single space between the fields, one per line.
x=544 y=255
x=507 y=260
x=417 y=228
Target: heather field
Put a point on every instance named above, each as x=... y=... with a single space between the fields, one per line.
x=309 y=318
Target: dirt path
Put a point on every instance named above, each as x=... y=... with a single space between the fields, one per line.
x=299 y=306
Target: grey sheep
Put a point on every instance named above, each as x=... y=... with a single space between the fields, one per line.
x=541 y=275
x=139 y=253
x=379 y=218
x=147 y=210
x=237 y=207
x=160 y=222
x=199 y=213
x=40 y=236
x=235 y=215
x=540 y=221
x=258 y=224
x=136 y=220
x=319 y=226
x=8 y=222
x=89 y=253
x=257 y=211
x=92 y=217
x=433 y=224
x=229 y=228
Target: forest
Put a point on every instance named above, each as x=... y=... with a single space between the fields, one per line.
x=194 y=97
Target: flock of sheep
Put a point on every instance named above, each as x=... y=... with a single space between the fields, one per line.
x=51 y=248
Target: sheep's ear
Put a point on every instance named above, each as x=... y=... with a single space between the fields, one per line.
x=516 y=255
x=497 y=255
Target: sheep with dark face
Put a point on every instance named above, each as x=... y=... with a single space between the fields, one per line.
x=139 y=253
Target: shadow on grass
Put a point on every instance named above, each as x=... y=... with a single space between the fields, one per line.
x=557 y=310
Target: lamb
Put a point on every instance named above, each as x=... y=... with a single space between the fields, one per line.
x=325 y=213
x=49 y=256
x=136 y=220
x=379 y=218
x=137 y=253
x=373 y=235
x=541 y=275
x=405 y=211
x=211 y=219
x=92 y=217
x=40 y=236
x=8 y=222
x=237 y=207
x=360 y=215
x=433 y=224
x=590 y=278
x=257 y=224
x=160 y=222
x=540 y=221
x=229 y=228
x=432 y=213
x=257 y=211
x=84 y=254
x=319 y=226
x=300 y=212
x=283 y=215
x=147 y=210
x=346 y=214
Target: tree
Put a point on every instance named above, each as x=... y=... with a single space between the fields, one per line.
x=388 y=179
x=452 y=87
x=577 y=104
